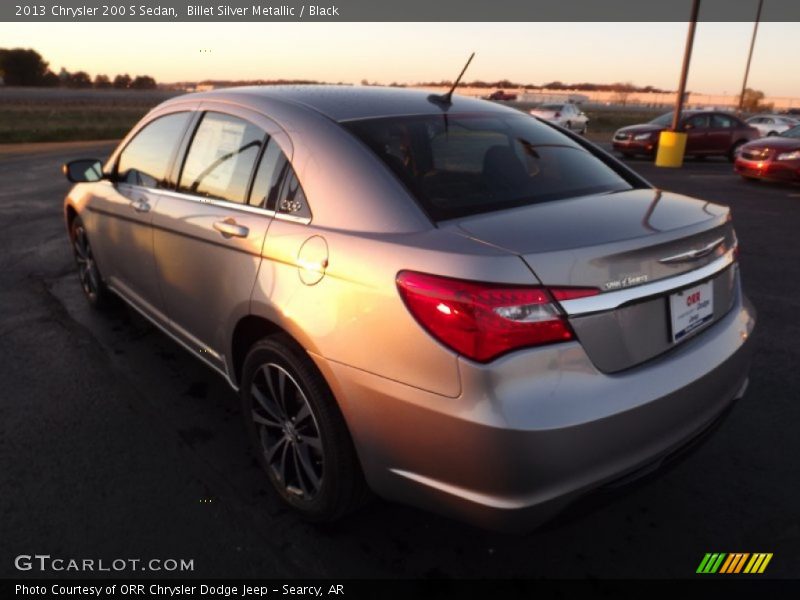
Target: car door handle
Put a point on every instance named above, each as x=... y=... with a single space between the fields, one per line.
x=140 y=205
x=229 y=228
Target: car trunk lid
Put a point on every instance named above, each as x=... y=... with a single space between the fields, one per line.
x=629 y=245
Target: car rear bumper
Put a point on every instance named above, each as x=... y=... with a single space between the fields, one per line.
x=536 y=429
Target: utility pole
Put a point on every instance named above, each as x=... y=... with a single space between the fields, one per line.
x=687 y=56
x=750 y=55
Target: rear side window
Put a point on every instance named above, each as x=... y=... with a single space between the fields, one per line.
x=457 y=165
x=269 y=176
x=146 y=158
x=221 y=158
x=722 y=122
x=292 y=199
x=276 y=186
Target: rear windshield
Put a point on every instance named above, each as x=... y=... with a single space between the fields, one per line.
x=459 y=165
x=794 y=132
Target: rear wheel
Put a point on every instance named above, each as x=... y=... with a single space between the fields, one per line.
x=298 y=433
x=95 y=291
x=771 y=133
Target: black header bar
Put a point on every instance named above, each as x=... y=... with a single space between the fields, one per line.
x=387 y=11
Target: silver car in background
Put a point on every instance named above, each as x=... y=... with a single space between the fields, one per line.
x=567 y=115
x=769 y=125
x=444 y=301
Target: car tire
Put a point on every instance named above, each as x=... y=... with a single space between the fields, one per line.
x=94 y=288
x=771 y=133
x=298 y=433
x=585 y=129
x=568 y=125
x=734 y=149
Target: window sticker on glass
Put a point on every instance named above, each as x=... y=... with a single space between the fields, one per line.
x=221 y=158
x=214 y=153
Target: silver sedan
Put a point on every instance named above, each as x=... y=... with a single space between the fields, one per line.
x=566 y=115
x=440 y=300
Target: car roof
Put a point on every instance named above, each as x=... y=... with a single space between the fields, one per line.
x=345 y=103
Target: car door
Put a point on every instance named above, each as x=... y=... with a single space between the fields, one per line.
x=123 y=235
x=696 y=128
x=572 y=116
x=758 y=123
x=208 y=234
x=720 y=134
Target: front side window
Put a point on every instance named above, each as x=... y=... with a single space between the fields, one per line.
x=146 y=159
x=221 y=158
x=698 y=122
x=457 y=165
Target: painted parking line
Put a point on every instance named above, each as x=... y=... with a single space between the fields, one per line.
x=703 y=175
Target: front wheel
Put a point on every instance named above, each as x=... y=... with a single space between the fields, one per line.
x=94 y=289
x=735 y=150
x=298 y=433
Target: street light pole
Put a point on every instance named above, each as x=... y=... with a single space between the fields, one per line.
x=687 y=56
x=750 y=55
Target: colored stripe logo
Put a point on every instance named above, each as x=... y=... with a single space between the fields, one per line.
x=734 y=562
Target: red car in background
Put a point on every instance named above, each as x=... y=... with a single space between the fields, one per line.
x=775 y=158
x=502 y=95
x=709 y=133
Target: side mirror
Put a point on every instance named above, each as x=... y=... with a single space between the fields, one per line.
x=83 y=170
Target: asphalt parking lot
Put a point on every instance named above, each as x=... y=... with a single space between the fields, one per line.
x=114 y=443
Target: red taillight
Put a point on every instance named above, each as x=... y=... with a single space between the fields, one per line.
x=484 y=320
x=571 y=293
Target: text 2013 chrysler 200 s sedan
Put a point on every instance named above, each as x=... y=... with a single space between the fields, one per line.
x=445 y=301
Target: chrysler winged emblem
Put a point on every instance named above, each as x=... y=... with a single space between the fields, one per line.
x=693 y=254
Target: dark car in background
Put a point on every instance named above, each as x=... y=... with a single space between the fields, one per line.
x=502 y=96
x=709 y=133
x=774 y=158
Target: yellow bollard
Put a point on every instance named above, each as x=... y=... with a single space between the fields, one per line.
x=671 y=146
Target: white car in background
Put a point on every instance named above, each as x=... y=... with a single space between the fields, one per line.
x=566 y=115
x=772 y=124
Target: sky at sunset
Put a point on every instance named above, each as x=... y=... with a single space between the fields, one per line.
x=642 y=53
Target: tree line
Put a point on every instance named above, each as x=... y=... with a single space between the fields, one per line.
x=26 y=67
x=620 y=87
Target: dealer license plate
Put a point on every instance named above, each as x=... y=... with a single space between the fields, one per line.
x=690 y=309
